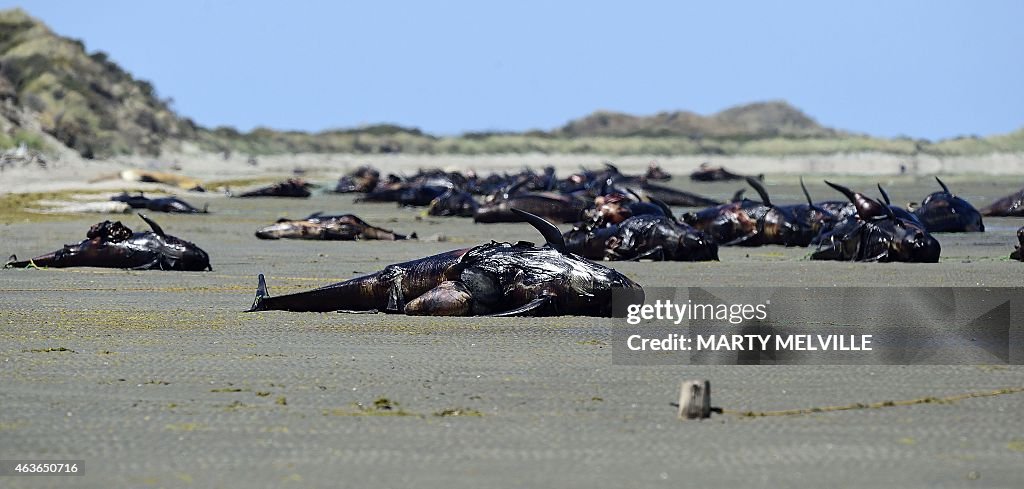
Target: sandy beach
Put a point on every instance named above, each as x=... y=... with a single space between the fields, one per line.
x=158 y=379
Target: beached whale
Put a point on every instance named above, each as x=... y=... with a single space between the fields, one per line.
x=752 y=223
x=708 y=173
x=643 y=237
x=1010 y=206
x=1018 y=254
x=943 y=212
x=293 y=187
x=114 y=245
x=498 y=279
x=876 y=233
x=159 y=204
x=344 y=227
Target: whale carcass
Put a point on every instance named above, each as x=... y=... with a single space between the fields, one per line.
x=114 y=245
x=498 y=279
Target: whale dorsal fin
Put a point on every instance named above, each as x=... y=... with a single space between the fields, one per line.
x=664 y=207
x=551 y=234
x=753 y=182
x=885 y=195
x=868 y=209
x=943 y=185
x=156 y=227
x=810 y=203
x=806 y=193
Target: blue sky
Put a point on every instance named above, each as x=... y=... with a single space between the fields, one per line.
x=929 y=69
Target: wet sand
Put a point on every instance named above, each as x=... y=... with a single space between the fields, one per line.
x=167 y=383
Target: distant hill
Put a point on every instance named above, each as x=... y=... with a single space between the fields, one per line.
x=59 y=98
x=751 y=121
x=83 y=100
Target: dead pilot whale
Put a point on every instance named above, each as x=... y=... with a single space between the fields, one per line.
x=114 y=245
x=498 y=279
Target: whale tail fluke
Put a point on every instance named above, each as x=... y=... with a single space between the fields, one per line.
x=261 y=294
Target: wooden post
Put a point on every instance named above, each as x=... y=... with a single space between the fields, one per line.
x=695 y=399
